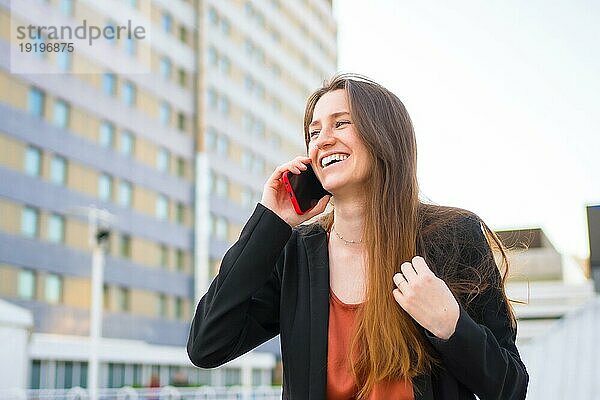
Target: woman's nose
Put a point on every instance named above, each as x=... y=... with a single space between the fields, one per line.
x=325 y=138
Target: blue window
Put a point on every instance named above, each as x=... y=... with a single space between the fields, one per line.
x=224 y=105
x=225 y=26
x=109 y=83
x=111 y=33
x=259 y=128
x=33 y=157
x=66 y=7
x=165 y=68
x=221 y=186
x=53 y=291
x=30 y=222
x=162 y=207
x=210 y=140
x=56 y=228
x=163 y=159
x=63 y=60
x=130 y=46
x=212 y=56
x=223 y=146
x=127 y=143
x=61 y=114
x=129 y=93
x=36 y=102
x=213 y=17
x=107 y=134
x=125 y=192
x=165 y=113
x=211 y=98
x=58 y=170
x=166 y=22
x=224 y=65
x=26 y=284
x=105 y=187
x=38 y=40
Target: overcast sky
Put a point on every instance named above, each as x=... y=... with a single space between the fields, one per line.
x=504 y=97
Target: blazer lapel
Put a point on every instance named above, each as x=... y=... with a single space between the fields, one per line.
x=318 y=269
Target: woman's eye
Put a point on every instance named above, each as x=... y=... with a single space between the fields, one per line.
x=313 y=134
x=340 y=123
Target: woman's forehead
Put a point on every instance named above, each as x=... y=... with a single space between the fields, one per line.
x=331 y=104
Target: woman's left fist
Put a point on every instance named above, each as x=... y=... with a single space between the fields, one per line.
x=426 y=298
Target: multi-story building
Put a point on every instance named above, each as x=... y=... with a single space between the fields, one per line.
x=178 y=154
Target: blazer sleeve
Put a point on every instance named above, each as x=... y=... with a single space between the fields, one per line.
x=241 y=307
x=482 y=355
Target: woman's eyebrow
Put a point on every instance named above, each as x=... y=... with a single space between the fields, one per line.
x=334 y=115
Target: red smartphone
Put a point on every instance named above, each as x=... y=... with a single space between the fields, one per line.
x=304 y=189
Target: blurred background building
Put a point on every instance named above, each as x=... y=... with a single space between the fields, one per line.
x=544 y=284
x=178 y=155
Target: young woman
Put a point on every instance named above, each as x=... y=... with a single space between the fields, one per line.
x=385 y=297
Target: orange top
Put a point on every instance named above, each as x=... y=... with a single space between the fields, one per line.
x=340 y=382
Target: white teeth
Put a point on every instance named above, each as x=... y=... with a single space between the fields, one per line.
x=334 y=157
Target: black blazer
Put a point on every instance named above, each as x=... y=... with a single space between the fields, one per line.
x=275 y=280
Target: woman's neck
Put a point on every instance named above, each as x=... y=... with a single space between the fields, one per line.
x=349 y=219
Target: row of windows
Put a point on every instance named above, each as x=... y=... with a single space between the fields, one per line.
x=167 y=25
x=56 y=231
x=129 y=95
x=218 y=60
x=126 y=147
x=166 y=72
x=250 y=124
x=30 y=225
x=52 y=287
x=166 y=20
x=122 y=302
x=253 y=86
x=105 y=192
x=218 y=143
x=61 y=110
x=33 y=165
x=50 y=374
x=36 y=106
x=219 y=21
x=64 y=61
x=61 y=117
x=58 y=175
x=258 y=19
x=219 y=186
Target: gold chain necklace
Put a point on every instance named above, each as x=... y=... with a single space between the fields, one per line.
x=346 y=242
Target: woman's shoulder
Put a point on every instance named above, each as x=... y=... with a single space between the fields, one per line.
x=453 y=238
x=448 y=221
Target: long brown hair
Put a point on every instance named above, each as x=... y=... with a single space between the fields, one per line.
x=387 y=343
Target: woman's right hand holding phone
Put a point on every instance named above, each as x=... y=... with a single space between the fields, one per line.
x=276 y=198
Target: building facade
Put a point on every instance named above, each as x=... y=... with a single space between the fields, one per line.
x=177 y=154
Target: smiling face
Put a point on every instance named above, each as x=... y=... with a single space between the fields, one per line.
x=339 y=157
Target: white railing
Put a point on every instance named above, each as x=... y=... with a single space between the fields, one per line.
x=164 y=393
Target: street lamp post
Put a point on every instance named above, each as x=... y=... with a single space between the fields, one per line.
x=99 y=225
